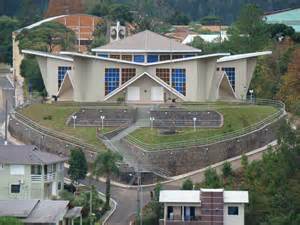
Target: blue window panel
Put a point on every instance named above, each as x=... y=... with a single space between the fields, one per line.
x=102 y=55
x=230 y=72
x=188 y=56
x=139 y=58
x=152 y=58
x=61 y=72
x=112 y=79
x=179 y=80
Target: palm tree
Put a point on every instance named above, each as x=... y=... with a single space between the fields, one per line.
x=105 y=164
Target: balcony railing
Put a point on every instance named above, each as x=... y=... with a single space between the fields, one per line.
x=46 y=178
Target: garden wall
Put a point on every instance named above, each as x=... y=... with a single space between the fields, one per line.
x=183 y=160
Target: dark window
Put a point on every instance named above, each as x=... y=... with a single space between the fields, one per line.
x=164 y=57
x=164 y=74
x=177 y=56
x=170 y=215
x=152 y=58
x=62 y=70
x=127 y=74
x=36 y=169
x=230 y=72
x=59 y=186
x=127 y=57
x=15 y=188
x=233 y=210
x=112 y=79
x=115 y=56
x=188 y=56
x=139 y=58
x=84 y=42
x=179 y=80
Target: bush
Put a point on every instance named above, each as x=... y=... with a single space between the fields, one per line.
x=187 y=185
x=6 y=220
x=212 y=179
x=227 y=170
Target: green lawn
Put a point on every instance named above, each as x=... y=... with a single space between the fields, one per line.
x=59 y=114
x=235 y=118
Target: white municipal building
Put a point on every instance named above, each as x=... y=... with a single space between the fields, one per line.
x=146 y=68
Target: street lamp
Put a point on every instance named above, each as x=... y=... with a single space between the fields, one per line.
x=194 y=120
x=251 y=94
x=102 y=121
x=151 y=122
x=74 y=117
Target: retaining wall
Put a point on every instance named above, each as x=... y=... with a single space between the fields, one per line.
x=183 y=160
x=49 y=143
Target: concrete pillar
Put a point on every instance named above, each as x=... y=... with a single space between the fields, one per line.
x=165 y=214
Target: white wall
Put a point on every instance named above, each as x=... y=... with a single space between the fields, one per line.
x=234 y=219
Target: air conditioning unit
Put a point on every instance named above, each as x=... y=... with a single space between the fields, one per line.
x=117 y=32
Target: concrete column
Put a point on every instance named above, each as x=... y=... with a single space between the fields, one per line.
x=182 y=213
x=165 y=214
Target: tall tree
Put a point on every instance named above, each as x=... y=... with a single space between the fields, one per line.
x=78 y=165
x=7 y=26
x=105 y=164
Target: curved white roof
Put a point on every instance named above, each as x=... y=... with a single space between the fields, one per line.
x=243 y=56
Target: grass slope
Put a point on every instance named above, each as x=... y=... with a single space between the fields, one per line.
x=59 y=115
x=235 y=118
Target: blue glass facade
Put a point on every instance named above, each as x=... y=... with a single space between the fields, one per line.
x=61 y=72
x=112 y=79
x=139 y=58
x=179 y=80
x=230 y=72
x=152 y=58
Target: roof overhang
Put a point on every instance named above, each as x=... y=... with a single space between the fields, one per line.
x=156 y=79
x=144 y=64
x=47 y=55
x=243 y=56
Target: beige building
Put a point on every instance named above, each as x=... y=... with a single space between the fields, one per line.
x=202 y=207
x=146 y=68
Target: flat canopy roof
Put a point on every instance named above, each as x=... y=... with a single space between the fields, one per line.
x=243 y=56
x=47 y=54
x=179 y=196
x=146 y=41
x=17 y=208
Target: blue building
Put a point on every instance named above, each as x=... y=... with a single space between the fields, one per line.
x=289 y=17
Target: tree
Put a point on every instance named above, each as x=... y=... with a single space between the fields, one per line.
x=78 y=165
x=178 y=18
x=29 y=13
x=6 y=220
x=210 y=20
x=7 y=26
x=46 y=37
x=227 y=169
x=211 y=179
x=187 y=185
x=105 y=164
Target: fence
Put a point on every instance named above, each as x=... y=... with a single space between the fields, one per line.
x=217 y=138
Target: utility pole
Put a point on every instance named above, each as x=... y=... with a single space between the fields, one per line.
x=5 y=138
x=139 y=195
x=91 y=212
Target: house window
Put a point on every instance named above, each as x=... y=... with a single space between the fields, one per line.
x=112 y=79
x=233 y=210
x=179 y=80
x=115 y=56
x=36 y=169
x=59 y=186
x=164 y=74
x=230 y=72
x=152 y=58
x=139 y=58
x=177 y=56
x=61 y=74
x=127 y=57
x=15 y=188
x=53 y=168
x=188 y=56
x=102 y=55
x=17 y=170
x=164 y=57
x=127 y=74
